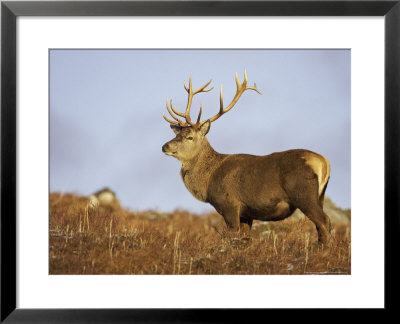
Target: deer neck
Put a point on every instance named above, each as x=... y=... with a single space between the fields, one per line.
x=196 y=173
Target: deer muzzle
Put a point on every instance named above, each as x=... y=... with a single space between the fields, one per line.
x=166 y=148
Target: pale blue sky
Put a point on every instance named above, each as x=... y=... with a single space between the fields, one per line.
x=106 y=125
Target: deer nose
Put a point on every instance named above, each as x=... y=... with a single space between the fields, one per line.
x=164 y=147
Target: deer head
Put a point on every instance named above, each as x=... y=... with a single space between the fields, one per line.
x=190 y=136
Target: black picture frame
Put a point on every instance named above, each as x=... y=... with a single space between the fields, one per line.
x=10 y=10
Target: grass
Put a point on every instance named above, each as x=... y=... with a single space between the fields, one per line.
x=110 y=240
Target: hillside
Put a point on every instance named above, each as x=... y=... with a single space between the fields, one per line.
x=88 y=236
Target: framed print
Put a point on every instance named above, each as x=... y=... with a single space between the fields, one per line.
x=94 y=204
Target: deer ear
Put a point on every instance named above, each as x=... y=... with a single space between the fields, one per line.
x=176 y=129
x=205 y=128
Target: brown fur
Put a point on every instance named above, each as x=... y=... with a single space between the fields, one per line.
x=245 y=187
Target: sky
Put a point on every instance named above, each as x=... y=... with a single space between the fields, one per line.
x=107 y=129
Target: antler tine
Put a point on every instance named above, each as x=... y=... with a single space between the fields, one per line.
x=170 y=112
x=171 y=121
x=189 y=103
x=190 y=98
x=178 y=122
x=189 y=90
x=250 y=88
x=199 y=116
x=254 y=88
x=240 y=88
x=237 y=81
x=175 y=111
x=221 y=101
x=203 y=88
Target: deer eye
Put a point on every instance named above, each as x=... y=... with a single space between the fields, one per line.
x=190 y=138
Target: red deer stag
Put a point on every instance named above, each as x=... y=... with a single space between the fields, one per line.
x=245 y=187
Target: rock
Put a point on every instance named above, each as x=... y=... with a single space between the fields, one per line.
x=93 y=201
x=104 y=197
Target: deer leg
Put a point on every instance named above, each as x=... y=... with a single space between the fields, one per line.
x=321 y=203
x=305 y=197
x=231 y=217
x=321 y=221
x=245 y=225
x=322 y=196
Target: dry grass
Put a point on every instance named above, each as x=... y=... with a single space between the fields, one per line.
x=110 y=240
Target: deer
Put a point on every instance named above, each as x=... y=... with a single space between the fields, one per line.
x=244 y=187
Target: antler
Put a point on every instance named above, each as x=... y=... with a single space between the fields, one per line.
x=186 y=115
x=240 y=88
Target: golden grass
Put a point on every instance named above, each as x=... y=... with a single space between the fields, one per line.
x=110 y=240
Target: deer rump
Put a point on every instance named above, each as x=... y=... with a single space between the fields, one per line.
x=270 y=187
